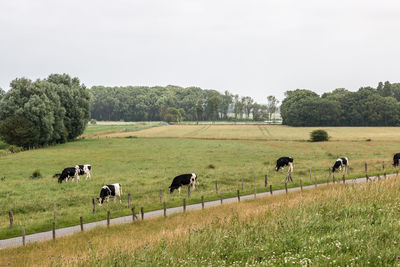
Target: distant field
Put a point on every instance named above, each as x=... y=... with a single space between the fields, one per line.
x=104 y=128
x=339 y=225
x=266 y=132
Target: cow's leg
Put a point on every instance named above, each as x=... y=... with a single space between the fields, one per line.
x=115 y=198
x=179 y=189
x=120 y=200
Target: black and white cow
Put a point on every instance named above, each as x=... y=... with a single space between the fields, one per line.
x=83 y=169
x=396 y=160
x=189 y=179
x=66 y=173
x=284 y=161
x=111 y=190
x=341 y=163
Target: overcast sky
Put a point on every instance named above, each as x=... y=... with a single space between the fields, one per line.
x=253 y=47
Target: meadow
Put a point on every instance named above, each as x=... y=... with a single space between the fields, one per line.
x=145 y=161
x=337 y=225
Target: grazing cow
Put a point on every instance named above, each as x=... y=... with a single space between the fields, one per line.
x=111 y=190
x=189 y=179
x=83 y=169
x=66 y=173
x=284 y=161
x=341 y=163
x=396 y=159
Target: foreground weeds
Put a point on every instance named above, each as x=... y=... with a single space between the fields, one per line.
x=353 y=225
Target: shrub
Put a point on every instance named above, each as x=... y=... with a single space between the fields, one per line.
x=211 y=166
x=318 y=136
x=36 y=174
x=15 y=149
x=93 y=121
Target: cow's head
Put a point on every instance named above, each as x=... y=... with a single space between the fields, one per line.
x=193 y=179
x=60 y=179
x=276 y=168
x=171 y=189
x=100 y=200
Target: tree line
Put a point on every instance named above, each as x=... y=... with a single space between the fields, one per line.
x=43 y=112
x=368 y=106
x=174 y=103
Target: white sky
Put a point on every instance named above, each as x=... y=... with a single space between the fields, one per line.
x=253 y=47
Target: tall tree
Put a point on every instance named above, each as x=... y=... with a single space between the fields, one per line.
x=272 y=105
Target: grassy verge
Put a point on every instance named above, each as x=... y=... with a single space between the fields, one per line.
x=354 y=225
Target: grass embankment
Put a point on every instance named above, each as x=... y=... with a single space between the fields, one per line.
x=354 y=225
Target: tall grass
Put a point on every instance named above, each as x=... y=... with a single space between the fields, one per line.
x=340 y=225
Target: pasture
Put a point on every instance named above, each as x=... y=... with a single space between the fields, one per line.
x=339 y=225
x=145 y=165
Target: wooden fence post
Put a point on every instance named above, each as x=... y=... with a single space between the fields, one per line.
x=286 y=190
x=108 y=218
x=383 y=165
x=54 y=231
x=301 y=184
x=10 y=214
x=255 y=192
x=142 y=213
x=129 y=200
x=23 y=235
x=160 y=195
x=334 y=179
x=366 y=169
x=94 y=205
x=315 y=181
x=384 y=175
x=184 y=205
x=202 y=202
x=165 y=209
x=242 y=183
x=238 y=195
x=270 y=188
x=310 y=175
x=344 y=179
x=134 y=217
x=216 y=187
x=55 y=212
x=222 y=198
x=81 y=221
x=266 y=181
x=330 y=172
x=188 y=191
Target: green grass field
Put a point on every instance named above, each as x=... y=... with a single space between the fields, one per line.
x=338 y=225
x=143 y=166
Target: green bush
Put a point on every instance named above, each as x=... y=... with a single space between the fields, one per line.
x=15 y=149
x=36 y=174
x=319 y=136
x=93 y=122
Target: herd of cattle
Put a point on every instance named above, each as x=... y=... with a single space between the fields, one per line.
x=190 y=179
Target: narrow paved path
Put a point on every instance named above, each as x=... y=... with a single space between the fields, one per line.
x=17 y=241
